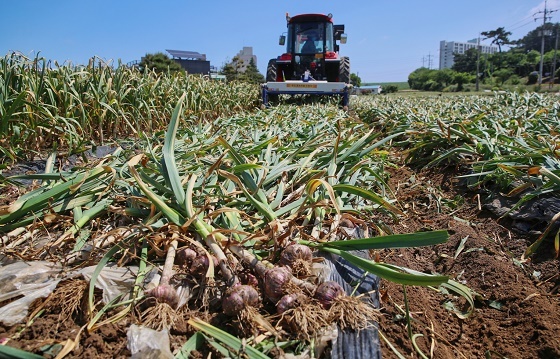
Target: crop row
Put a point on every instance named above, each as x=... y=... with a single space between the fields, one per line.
x=71 y=107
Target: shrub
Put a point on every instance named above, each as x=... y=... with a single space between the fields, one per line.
x=450 y=88
x=390 y=89
x=432 y=85
x=514 y=80
x=533 y=78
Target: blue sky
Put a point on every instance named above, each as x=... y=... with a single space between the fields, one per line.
x=386 y=39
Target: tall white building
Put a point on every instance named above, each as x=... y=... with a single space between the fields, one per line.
x=244 y=58
x=448 y=49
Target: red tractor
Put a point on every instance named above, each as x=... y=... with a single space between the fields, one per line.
x=311 y=64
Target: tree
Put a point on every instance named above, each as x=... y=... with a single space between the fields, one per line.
x=159 y=62
x=533 y=39
x=229 y=71
x=355 y=80
x=461 y=78
x=418 y=78
x=533 y=57
x=502 y=75
x=519 y=61
x=499 y=37
x=390 y=89
x=251 y=74
x=549 y=59
x=432 y=85
x=444 y=77
x=465 y=62
x=430 y=80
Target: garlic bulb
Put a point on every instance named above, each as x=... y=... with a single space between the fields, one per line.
x=275 y=281
x=238 y=298
x=326 y=293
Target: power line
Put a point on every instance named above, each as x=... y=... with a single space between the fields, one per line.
x=531 y=20
x=522 y=25
x=530 y=17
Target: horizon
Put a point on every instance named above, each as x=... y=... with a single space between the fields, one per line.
x=381 y=48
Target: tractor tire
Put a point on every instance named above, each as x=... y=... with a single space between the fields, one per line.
x=271 y=71
x=344 y=70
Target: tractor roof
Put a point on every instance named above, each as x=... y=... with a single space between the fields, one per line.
x=310 y=18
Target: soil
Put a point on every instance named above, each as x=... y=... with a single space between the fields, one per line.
x=516 y=309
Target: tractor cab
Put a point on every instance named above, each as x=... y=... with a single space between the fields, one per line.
x=311 y=48
x=310 y=38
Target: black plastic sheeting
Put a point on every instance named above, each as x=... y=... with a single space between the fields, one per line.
x=352 y=344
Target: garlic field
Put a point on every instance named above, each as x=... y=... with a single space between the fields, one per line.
x=214 y=225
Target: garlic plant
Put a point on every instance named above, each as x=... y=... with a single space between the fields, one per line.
x=238 y=186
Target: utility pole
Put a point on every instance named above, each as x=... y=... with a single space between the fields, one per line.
x=542 y=39
x=429 y=60
x=477 y=62
x=542 y=45
x=554 y=61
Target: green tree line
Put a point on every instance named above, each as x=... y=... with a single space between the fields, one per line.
x=520 y=64
x=161 y=63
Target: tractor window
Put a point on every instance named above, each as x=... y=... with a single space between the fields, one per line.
x=319 y=34
x=309 y=37
x=329 y=41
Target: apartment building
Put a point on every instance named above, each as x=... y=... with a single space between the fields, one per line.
x=448 y=49
x=244 y=58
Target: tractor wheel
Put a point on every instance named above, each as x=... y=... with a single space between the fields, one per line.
x=344 y=70
x=271 y=71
